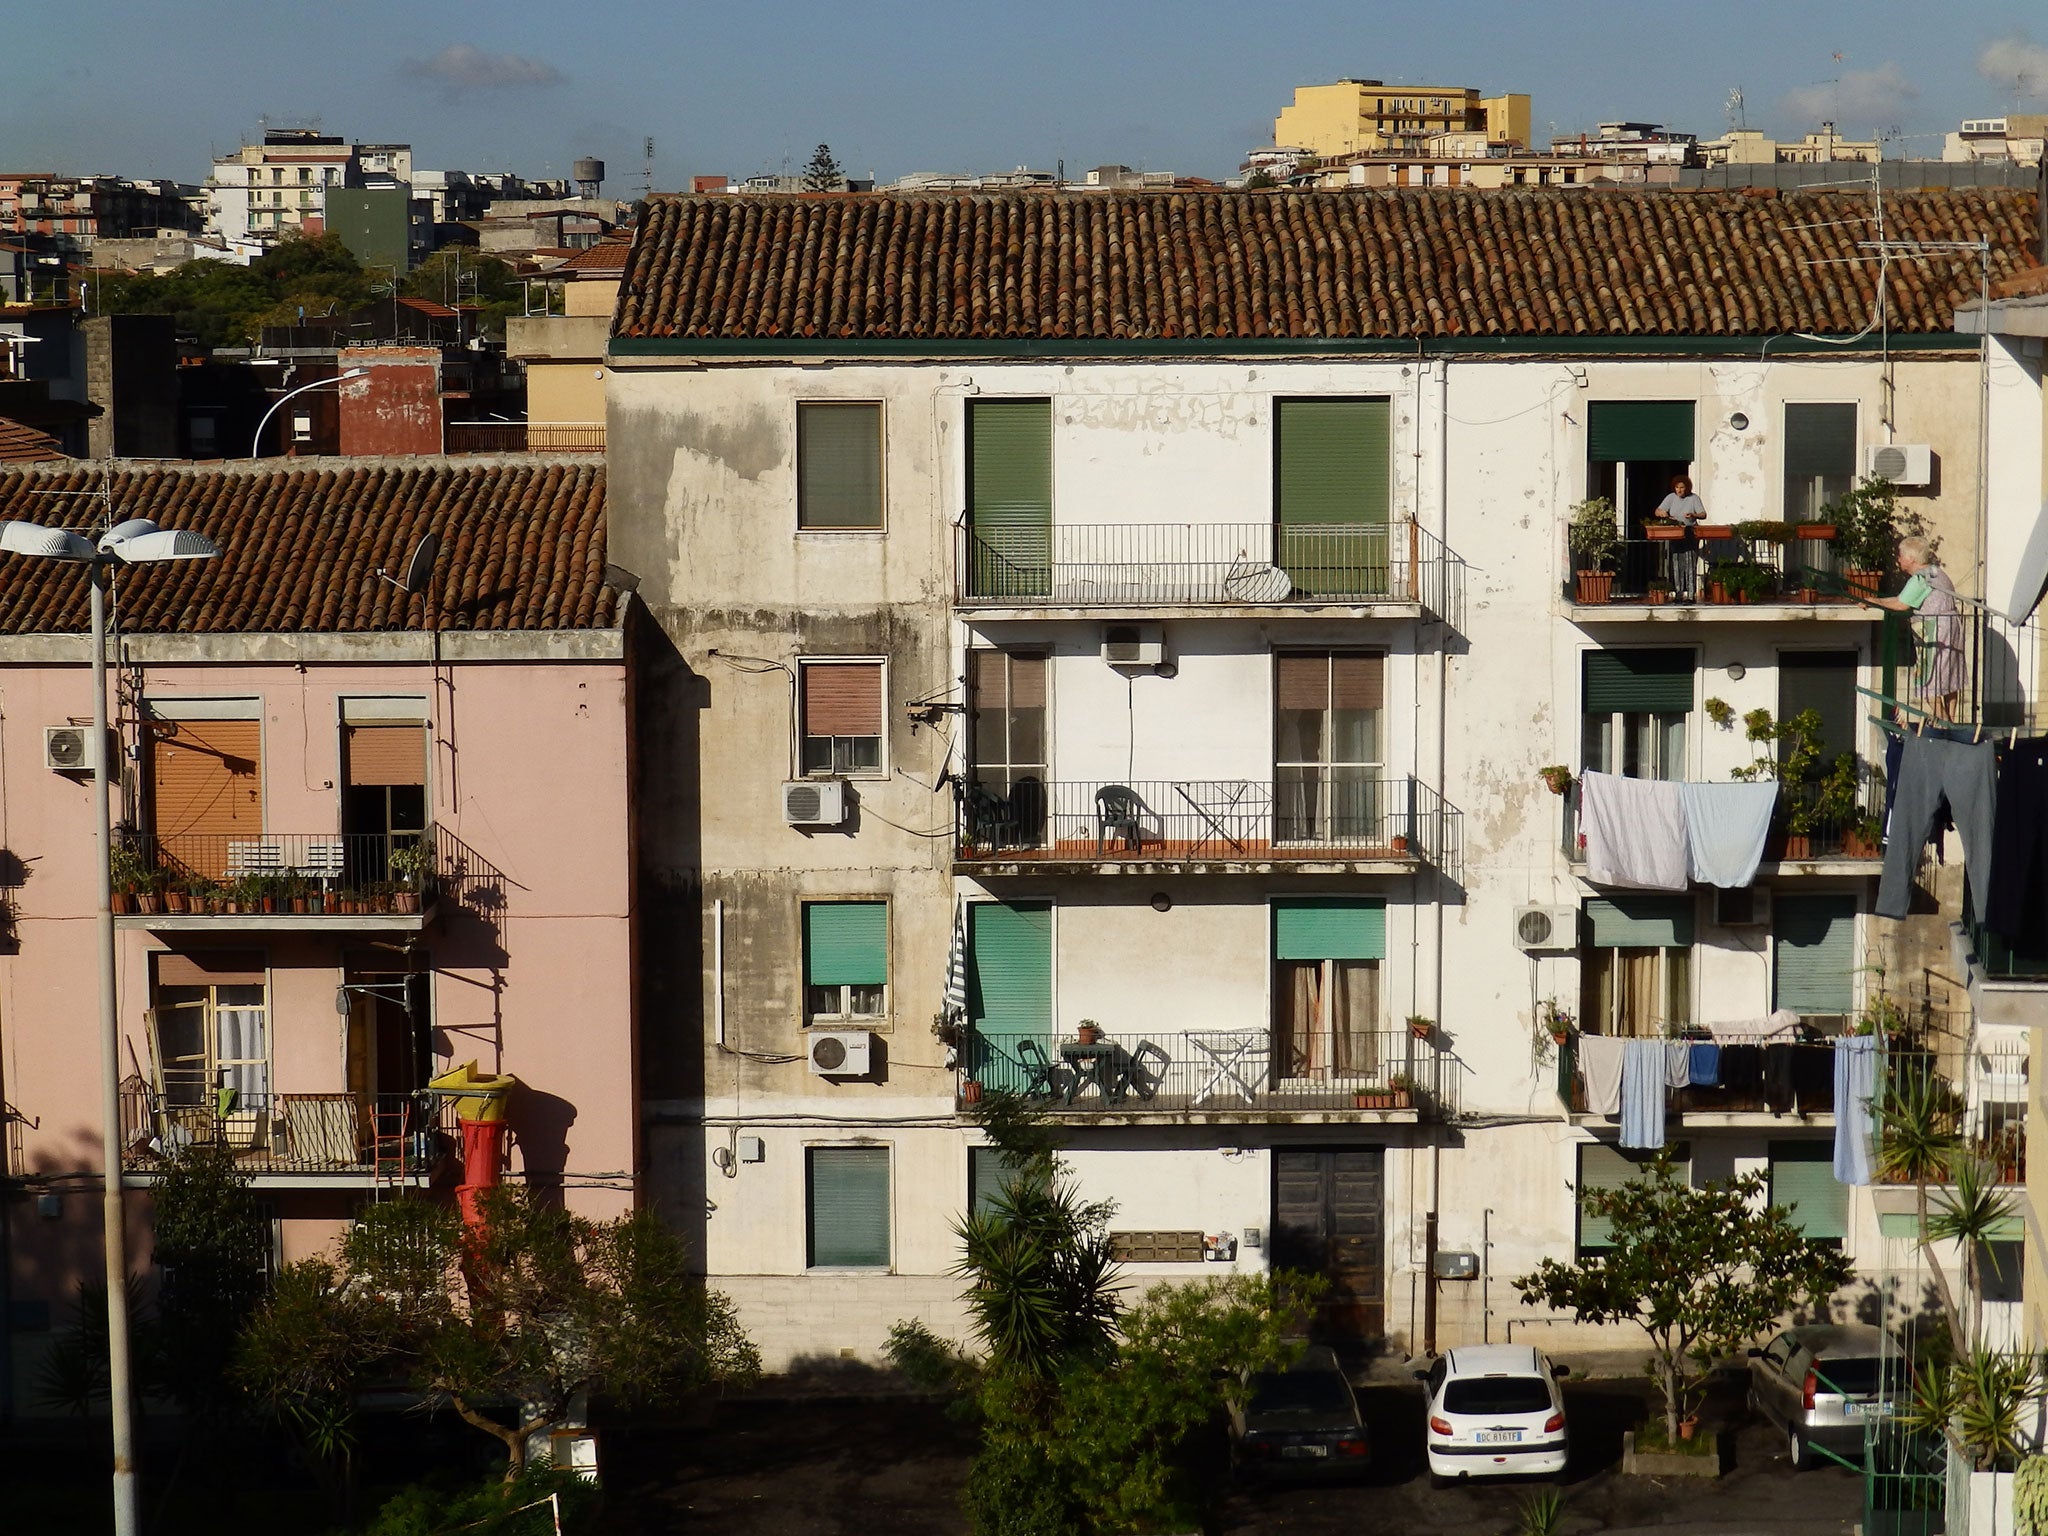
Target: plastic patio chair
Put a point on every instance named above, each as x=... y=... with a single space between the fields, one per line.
x=1041 y=1075
x=1117 y=809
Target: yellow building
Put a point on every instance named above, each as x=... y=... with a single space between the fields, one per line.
x=1371 y=117
x=563 y=348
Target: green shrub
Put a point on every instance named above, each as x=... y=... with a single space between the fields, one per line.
x=494 y=1508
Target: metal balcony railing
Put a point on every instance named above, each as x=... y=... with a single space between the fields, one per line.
x=395 y=1135
x=1164 y=565
x=525 y=436
x=1180 y=1069
x=315 y=874
x=1162 y=820
x=2000 y=668
x=1805 y=824
x=1721 y=568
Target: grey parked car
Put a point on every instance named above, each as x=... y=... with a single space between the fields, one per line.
x=1823 y=1382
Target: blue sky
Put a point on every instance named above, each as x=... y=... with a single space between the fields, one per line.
x=903 y=85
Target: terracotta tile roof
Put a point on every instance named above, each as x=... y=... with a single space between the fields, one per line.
x=428 y=307
x=522 y=547
x=1310 y=265
x=607 y=256
x=23 y=444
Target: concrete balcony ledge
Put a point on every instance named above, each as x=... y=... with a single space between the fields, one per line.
x=279 y=922
x=1010 y=610
x=1636 y=611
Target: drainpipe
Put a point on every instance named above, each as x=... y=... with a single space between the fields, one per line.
x=1443 y=512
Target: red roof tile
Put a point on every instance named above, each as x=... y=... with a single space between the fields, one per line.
x=23 y=444
x=606 y=257
x=522 y=547
x=1309 y=265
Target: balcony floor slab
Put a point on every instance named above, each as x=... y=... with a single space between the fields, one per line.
x=277 y=922
x=1011 y=612
x=1720 y=613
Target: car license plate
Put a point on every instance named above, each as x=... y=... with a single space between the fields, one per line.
x=1866 y=1410
x=1304 y=1450
x=1498 y=1437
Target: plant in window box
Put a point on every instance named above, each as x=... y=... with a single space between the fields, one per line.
x=1764 y=531
x=1867 y=527
x=1658 y=593
x=1557 y=778
x=1594 y=538
x=1379 y=1098
x=1421 y=1026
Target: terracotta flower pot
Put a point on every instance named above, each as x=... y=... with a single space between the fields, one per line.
x=1809 y=595
x=1663 y=533
x=1400 y=842
x=1798 y=845
x=121 y=901
x=1714 y=531
x=1687 y=1428
x=1820 y=531
x=148 y=901
x=1088 y=1034
x=1716 y=592
x=1594 y=586
x=1863 y=583
x=1657 y=597
x=176 y=901
x=1419 y=1031
x=1856 y=846
x=970 y=1092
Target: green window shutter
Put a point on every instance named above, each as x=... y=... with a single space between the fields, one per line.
x=1813 y=949
x=846 y=943
x=1009 y=497
x=1803 y=1177
x=988 y=1174
x=1824 y=682
x=1009 y=988
x=1639 y=431
x=1820 y=440
x=1640 y=922
x=1603 y=1165
x=839 y=464
x=1330 y=928
x=1333 y=461
x=849 y=1216
x=1652 y=682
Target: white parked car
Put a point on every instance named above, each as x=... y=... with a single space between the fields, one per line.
x=1494 y=1410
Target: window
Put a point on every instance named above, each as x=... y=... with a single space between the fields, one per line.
x=1635 y=708
x=383 y=793
x=1332 y=490
x=1604 y=1166
x=212 y=1031
x=1824 y=682
x=1813 y=954
x=1820 y=457
x=989 y=1173
x=846 y=961
x=842 y=716
x=839 y=464
x=1009 y=498
x=1636 y=968
x=1009 y=699
x=1803 y=1178
x=1633 y=448
x=1327 y=749
x=206 y=788
x=1326 y=986
x=848 y=1200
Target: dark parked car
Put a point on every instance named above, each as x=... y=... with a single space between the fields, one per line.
x=1821 y=1384
x=1300 y=1422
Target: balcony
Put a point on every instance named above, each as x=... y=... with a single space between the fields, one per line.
x=1167 y=570
x=1368 y=826
x=1812 y=832
x=335 y=1138
x=1222 y=1074
x=1790 y=1081
x=524 y=437
x=1726 y=578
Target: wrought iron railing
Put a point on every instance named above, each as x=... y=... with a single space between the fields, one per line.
x=1980 y=670
x=1721 y=569
x=525 y=436
x=1181 y=1069
x=327 y=874
x=397 y=1135
x=1322 y=815
x=1163 y=565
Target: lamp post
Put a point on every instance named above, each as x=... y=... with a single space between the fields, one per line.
x=256 y=442
x=137 y=541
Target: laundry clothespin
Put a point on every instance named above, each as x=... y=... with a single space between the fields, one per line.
x=1979 y=736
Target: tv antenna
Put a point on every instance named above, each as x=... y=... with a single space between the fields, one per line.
x=647 y=167
x=419 y=570
x=1737 y=116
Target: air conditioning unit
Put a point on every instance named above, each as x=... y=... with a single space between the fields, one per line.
x=1546 y=928
x=814 y=803
x=843 y=1053
x=1900 y=463
x=1746 y=906
x=1134 y=645
x=69 y=749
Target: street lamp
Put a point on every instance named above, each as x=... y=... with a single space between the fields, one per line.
x=256 y=442
x=138 y=541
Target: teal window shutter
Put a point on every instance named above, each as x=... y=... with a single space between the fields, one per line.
x=1813 y=952
x=1820 y=456
x=1640 y=681
x=989 y=1173
x=1009 y=497
x=1009 y=989
x=1333 y=461
x=846 y=943
x=1803 y=1177
x=1602 y=1165
x=839 y=464
x=1640 y=922
x=849 y=1208
x=1329 y=928
x=1639 y=431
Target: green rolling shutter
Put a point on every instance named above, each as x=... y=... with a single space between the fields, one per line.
x=1333 y=493
x=1639 y=431
x=1009 y=986
x=1803 y=1177
x=839 y=464
x=988 y=1174
x=1824 y=682
x=846 y=943
x=1330 y=928
x=1640 y=922
x=1603 y=1165
x=1813 y=948
x=1820 y=440
x=849 y=1225
x=1009 y=497
x=1648 y=682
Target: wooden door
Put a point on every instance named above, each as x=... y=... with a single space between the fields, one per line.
x=1329 y=1219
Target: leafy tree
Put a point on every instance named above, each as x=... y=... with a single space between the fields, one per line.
x=1260 y=180
x=1978 y=1402
x=219 y=304
x=458 y=275
x=821 y=171
x=304 y=1356
x=212 y=1249
x=1701 y=1271
x=495 y=1509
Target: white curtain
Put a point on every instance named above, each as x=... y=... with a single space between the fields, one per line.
x=244 y=1050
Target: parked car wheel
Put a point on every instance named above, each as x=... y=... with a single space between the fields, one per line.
x=1802 y=1458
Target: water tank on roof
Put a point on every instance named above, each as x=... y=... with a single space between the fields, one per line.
x=588 y=174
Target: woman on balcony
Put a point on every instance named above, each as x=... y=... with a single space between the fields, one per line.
x=1688 y=511
x=1930 y=594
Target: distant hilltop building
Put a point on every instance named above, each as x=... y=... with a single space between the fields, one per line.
x=1825 y=146
x=2020 y=138
x=1371 y=117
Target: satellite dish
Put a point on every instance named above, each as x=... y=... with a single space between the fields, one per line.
x=419 y=570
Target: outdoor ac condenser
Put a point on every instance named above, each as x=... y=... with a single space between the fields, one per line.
x=814 y=802
x=1546 y=928
x=1900 y=463
x=842 y=1053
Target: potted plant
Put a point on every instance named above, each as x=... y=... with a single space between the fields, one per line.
x=176 y=898
x=970 y=1090
x=1662 y=532
x=1863 y=838
x=1399 y=842
x=1786 y=752
x=1088 y=1032
x=1377 y=1098
x=127 y=873
x=410 y=865
x=149 y=893
x=1742 y=580
x=1866 y=522
x=1764 y=531
x=295 y=888
x=1820 y=533
x=1708 y=531
x=1554 y=1020
x=1420 y=1025
x=1659 y=593
x=1407 y=1091
x=1558 y=777
x=1717 y=582
x=1593 y=537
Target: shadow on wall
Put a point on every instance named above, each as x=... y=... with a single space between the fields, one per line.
x=540 y=1122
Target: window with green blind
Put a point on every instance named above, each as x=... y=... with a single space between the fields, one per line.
x=1639 y=922
x=1009 y=497
x=989 y=1173
x=1824 y=682
x=1813 y=953
x=1602 y=1165
x=1333 y=490
x=848 y=1206
x=1803 y=1178
x=846 y=960
x=1329 y=928
x=1820 y=457
x=838 y=464
x=1647 y=681
x=1639 y=431
x=1009 y=989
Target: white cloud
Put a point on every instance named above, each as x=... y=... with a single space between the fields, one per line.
x=2015 y=58
x=1861 y=99
x=463 y=67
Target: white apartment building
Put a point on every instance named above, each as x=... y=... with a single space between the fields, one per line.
x=278 y=187
x=1156 y=610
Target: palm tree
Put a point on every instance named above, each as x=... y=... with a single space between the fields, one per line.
x=1917 y=1143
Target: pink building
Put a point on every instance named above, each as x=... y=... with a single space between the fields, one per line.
x=370 y=836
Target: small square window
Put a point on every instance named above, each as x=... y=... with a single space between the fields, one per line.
x=842 y=718
x=839 y=465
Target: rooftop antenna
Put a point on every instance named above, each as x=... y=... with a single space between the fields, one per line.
x=1738 y=117
x=419 y=570
x=647 y=166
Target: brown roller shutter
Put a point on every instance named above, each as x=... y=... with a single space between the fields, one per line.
x=1331 y=682
x=1303 y=682
x=210 y=968
x=1357 y=682
x=1027 y=682
x=985 y=674
x=386 y=754
x=843 y=700
x=206 y=787
x=998 y=677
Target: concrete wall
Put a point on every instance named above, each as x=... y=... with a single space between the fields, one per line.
x=394 y=407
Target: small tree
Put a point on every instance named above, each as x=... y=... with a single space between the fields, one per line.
x=1701 y=1271
x=1593 y=535
x=821 y=171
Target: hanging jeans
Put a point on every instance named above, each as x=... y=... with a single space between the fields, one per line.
x=1932 y=771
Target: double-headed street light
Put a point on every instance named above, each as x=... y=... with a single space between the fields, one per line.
x=138 y=541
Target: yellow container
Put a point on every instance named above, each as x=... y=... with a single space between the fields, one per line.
x=478 y=1096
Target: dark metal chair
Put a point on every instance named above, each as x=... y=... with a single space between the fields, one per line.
x=1041 y=1073
x=991 y=820
x=1144 y=1076
x=1118 y=809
